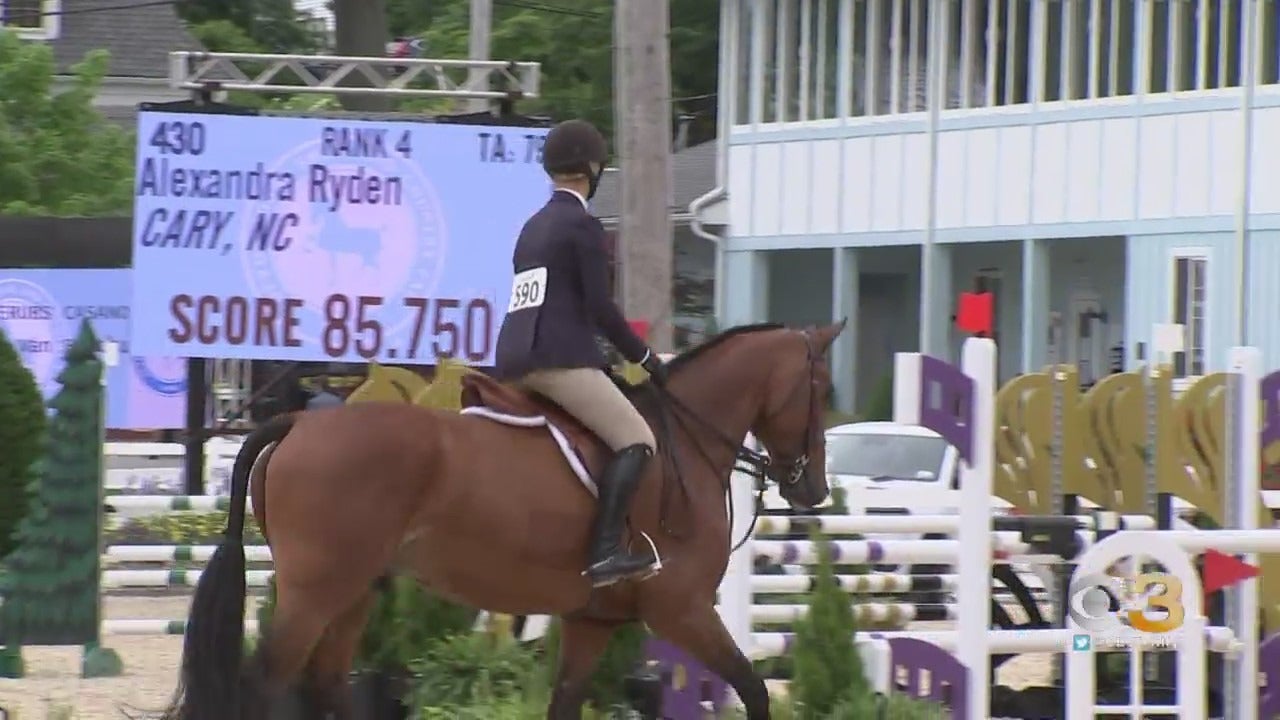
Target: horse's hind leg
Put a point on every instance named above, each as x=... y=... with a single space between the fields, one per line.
x=332 y=659
x=702 y=634
x=295 y=628
x=582 y=642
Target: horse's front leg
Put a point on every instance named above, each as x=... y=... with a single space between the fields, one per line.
x=582 y=642
x=701 y=633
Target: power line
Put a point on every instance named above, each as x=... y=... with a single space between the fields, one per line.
x=553 y=9
x=15 y=15
x=20 y=15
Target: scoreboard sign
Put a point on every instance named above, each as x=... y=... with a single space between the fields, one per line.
x=316 y=239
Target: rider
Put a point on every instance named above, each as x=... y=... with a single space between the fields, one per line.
x=560 y=300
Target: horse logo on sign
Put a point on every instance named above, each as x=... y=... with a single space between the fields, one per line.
x=393 y=247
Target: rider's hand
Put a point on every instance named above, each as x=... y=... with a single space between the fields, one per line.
x=653 y=365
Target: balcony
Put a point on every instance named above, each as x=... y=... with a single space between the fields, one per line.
x=822 y=63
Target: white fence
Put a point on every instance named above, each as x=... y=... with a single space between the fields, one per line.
x=156 y=468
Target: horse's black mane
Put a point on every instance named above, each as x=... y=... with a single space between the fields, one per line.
x=693 y=353
x=641 y=396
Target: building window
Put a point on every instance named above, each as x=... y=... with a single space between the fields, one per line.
x=1190 y=300
x=35 y=19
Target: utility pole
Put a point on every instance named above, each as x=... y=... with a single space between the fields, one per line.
x=361 y=31
x=478 y=48
x=642 y=137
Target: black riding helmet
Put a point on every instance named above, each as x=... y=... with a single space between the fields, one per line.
x=571 y=147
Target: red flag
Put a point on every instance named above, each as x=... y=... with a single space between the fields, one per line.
x=975 y=312
x=1222 y=570
x=640 y=328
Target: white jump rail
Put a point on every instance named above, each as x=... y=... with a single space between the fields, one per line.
x=973 y=545
x=133 y=466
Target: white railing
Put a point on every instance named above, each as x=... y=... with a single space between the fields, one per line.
x=156 y=468
x=409 y=77
x=802 y=60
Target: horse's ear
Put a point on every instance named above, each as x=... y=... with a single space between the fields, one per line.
x=824 y=336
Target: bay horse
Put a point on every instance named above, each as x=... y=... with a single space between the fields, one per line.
x=491 y=515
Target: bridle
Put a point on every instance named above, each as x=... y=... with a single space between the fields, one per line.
x=763 y=467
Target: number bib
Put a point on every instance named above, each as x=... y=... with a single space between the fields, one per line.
x=528 y=289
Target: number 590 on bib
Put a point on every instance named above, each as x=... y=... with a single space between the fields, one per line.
x=528 y=289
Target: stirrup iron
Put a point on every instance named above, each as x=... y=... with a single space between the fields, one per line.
x=653 y=569
x=656 y=567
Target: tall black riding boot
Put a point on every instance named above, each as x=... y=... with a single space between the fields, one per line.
x=610 y=562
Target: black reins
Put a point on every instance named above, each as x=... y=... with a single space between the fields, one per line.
x=746 y=459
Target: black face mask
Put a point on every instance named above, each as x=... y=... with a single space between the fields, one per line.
x=593 y=183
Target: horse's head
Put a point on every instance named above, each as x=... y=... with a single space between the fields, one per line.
x=790 y=420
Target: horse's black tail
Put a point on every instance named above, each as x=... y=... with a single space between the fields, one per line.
x=210 y=686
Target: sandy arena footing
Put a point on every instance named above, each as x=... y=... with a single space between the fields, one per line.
x=53 y=689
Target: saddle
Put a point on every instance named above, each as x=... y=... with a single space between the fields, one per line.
x=506 y=403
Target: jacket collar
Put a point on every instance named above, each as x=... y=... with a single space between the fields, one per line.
x=573 y=194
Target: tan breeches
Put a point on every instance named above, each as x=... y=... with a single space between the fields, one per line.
x=591 y=397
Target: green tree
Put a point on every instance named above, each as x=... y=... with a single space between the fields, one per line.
x=22 y=425
x=272 y=25
x=828 y=669
x=695 y=55
x=408 y=18
x=573 y=40
x=58 y=155
x=224 y=36
x=50 y=585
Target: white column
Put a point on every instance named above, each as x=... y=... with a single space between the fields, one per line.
x=746 y=288
x=932 y=341
x=844 y=305
x=937 y=305
x=1035 y=304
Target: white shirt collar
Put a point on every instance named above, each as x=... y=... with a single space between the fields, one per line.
x=576 y=194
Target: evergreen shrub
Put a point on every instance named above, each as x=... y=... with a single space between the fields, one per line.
x=828 y=669
x=22 y=428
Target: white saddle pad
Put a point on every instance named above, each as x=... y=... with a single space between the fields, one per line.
x=533 y=421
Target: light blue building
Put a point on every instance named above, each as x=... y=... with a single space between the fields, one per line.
x=1087 y=164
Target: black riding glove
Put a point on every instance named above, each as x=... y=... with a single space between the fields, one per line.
x=653 y=365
